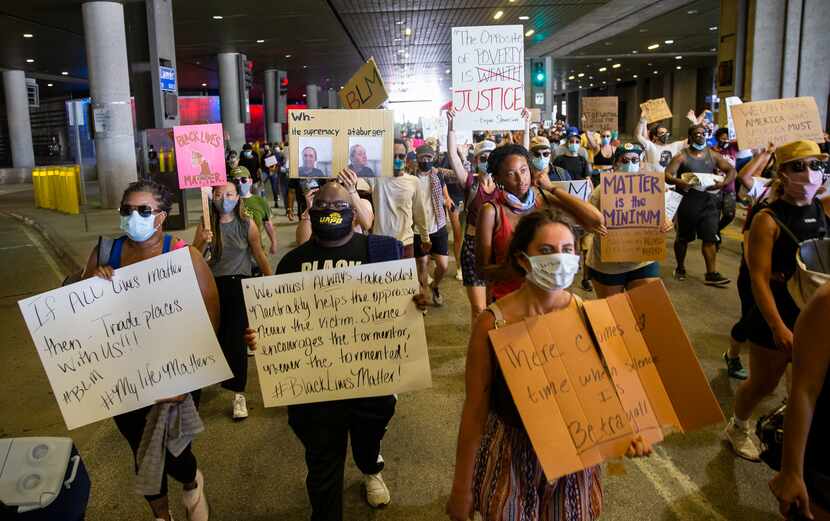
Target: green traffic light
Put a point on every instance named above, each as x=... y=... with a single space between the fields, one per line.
x=540 y=76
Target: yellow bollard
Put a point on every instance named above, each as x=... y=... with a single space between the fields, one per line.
x=73 y=201
x=171 y=158
x=61 y=182
x=47 y=189
x=35 y=186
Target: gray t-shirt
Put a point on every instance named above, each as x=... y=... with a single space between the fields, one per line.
x=236 y=254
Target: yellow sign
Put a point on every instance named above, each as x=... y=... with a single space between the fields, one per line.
x=655 y=110
x=365 y=90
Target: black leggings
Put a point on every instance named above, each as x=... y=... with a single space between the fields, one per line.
x=232 y=324
x=181 y=467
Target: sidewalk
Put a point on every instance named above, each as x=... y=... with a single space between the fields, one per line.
x=72 y=237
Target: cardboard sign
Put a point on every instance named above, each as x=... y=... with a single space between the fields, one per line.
x=488 y=77
x=338 y=333
x=581 y=189
x=655 y=110
x=581 y=403
x=780 y=121
x=200 y=155
x=673 y=199
x=535 y=115
x=731 y=101
x=111 y=347
x=365 y=90
x=325 y=141
x=633 y=208
x=599 y=113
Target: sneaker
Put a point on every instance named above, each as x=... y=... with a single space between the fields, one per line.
x=240 y=407
x=734 y=367
x=586 y=285
x=680 y=274
x=741 y=441
x=459 y=276
x=437 y=299
x=377 y=493
x=716 y=279
x=195 y=503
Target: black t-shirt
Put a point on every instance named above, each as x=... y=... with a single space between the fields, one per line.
x=575 y=165
x=310 y=256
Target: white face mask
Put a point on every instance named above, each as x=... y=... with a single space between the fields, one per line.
x=554 y=271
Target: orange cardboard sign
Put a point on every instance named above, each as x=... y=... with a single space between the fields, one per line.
x=777 y=121
x=585 y=388
x=633 y=207
x=655 y=110
x=600 y=113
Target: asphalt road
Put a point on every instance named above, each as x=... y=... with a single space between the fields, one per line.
x=254 y=469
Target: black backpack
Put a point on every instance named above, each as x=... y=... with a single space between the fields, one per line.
x=104 y=250
x=770 y=431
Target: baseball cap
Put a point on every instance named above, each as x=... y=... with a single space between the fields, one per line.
x=627 y=148
x=539 y=142
x=572 y=131
x=424 y=149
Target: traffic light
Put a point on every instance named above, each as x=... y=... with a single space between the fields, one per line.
x=249 y=75
x=539 y=74
x=283 y=85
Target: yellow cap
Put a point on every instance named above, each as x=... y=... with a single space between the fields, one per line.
x=798 y=150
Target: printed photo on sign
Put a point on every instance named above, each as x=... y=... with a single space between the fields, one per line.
x=488 y=77
x=113 y=346
x=365 y=155
x=315 y=156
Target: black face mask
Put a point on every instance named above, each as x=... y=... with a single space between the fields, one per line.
x=424 y=166
x=723 y=144
x=824 y=147
x=331 y=225
x=663 y=139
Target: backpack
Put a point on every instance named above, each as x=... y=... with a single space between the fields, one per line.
x=105 y=245
x=770 y=431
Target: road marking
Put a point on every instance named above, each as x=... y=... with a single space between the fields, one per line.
x=2 y=248
x=44 y=252
x=677 y=486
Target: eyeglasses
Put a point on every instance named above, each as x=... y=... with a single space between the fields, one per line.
x=143 y=210
x=539 y=153
x=242 y=180
x=400 y=156
x=632 y=160
x=482 y=158
x=337 y=206
x=800 y=165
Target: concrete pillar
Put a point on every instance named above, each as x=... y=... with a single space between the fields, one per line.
x=17 y=112
x=813 y=79
x=229 y=99
x=333 y=98
x=684 y=95
x=546 y=110
x=311 y=92
x=109 y=86
x=273 y=130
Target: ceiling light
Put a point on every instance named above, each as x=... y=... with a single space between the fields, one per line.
x=691 y=11
x=603 y=83
x=408 y=31
x=655 y=72
x=28 y=35
x=571 y=77
x=609 y=59
x=616 y=66
x=591 y=85
x=608 y=44
x=498 y=14
x=50 y=84
x=643 y=30
x=713 y=28
x=530 y=33
x=713 y=49
x=399 y=22
x=396 y=39
x=678 y=67
x=288 y=56
x=204 y=84
x=447 y=71
x=260 y=41
x=649 y=64
x=668 y=42
x=603 y=69
x=30 y=60
x=305 y=66
x=678 y=57
x=581 y=74
x=653 y=46
x=65 y=73
x=524 y=18
x=619 y=79
x=401 y=51
x=635 y=76
x=217 y=17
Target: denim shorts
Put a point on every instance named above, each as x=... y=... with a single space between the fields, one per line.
x=651 y=270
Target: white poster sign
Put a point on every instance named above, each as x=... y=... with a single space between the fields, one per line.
x=731 y=101
x=110 y=347
x=581 y=189
x=488 y=77
x=462 y=137
x=672 y=203
x=338 y=333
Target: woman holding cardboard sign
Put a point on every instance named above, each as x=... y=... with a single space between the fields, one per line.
x=510 y=167
x=610 y=278
x=498 y=472
x=144 y=207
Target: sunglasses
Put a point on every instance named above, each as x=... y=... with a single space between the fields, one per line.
x=541 y=154
x=632 y=160
x=800 y=165
x=482 y=158
x=143 y=210
x=400 y=156
x=337 y=206
x=242 y=180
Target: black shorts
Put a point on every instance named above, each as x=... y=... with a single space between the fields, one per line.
x=439 y=240
x=755 y=325
x=698 y=216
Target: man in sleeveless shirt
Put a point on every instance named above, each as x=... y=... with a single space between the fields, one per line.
x=698 y=214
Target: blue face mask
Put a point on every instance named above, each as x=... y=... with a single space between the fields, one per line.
x=606 y=141
x=573 y=147
x=698 y=147
x=244 y=189
x=138 y=228
x=225 y=206
x=540 y=163
x=630 y=168
x=398 y=164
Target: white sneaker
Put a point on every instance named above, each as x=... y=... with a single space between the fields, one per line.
x=459 y=276
x=195 y=503
x=240 y=407
x=377 y=494
x=741 y=441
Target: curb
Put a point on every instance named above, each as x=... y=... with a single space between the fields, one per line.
x=57 y=246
